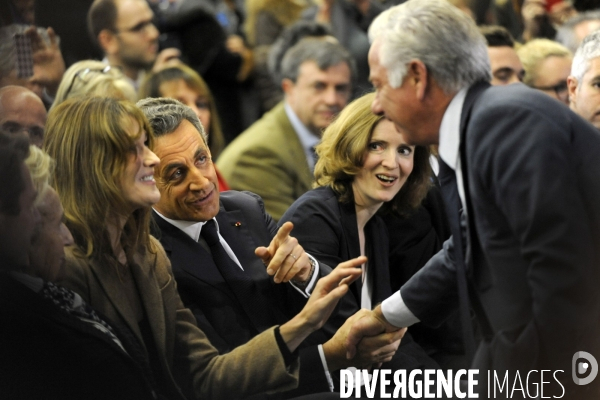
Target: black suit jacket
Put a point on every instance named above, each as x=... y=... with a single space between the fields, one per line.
x=328 y=230
x=533 y=232
x=47 y=354
x=245 y=225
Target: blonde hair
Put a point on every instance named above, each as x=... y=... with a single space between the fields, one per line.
x=342 y=153
x=41 y=168
x=534 y=52
x=94 y=78
x=89 y=140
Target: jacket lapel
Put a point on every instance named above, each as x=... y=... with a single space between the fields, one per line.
x=189 y=256
x=350 y=227
x=294 y=150
x=106 y=277
x=143 y=275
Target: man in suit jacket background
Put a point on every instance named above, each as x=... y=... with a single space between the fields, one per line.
x=233 y=308
x=525 y=175
x=274 y=158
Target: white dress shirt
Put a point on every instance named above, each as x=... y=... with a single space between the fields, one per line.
x=308 y=139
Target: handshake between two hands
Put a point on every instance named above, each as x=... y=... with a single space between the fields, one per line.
x=366 y=339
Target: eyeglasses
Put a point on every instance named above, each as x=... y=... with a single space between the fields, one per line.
x=85 y=74
x=561 y=89
x=141 y=28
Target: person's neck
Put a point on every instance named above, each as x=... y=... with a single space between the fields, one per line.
x=364 y=214
x=131 y=73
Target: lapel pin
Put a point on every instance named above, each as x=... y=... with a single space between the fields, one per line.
x=237 y=224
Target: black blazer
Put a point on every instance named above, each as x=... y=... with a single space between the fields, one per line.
x=245 y=225
x=533 y=194
x=47 y=353
x=328 y=230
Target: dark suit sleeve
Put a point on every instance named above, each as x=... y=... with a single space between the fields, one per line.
x=435 y=283
x=524 y=178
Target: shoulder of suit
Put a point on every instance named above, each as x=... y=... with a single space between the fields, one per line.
x=234 y=199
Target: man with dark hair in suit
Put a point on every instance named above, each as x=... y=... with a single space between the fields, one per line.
x=316 y=77
x=224 y=277
x=519 y=173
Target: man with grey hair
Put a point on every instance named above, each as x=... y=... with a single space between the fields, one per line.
x=274 y=157
x=584 y=81
x=223 y=277
x=519 y=176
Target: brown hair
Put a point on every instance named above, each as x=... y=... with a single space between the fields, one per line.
x=90 y=144
x=342 y=152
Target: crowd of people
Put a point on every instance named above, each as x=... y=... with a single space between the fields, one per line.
x=243 y=199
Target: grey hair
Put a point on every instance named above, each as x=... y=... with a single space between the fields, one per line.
x=8 y=50
x=165 y=115
x=324 y=53
x=438 y=34
x=587 y=51
x=566 y=32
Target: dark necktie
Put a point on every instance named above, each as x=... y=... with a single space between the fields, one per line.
x=449 y=187
x=254 y=303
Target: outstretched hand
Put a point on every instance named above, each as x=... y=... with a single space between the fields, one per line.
x=320 y=305
x=285 y=259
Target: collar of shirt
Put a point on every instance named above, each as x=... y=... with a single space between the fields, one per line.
x=307 y=138
x=193 y=229
x=449 y=147
x=450 y=130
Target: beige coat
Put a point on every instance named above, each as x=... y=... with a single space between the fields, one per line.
x=269 y=160
x=183 y=349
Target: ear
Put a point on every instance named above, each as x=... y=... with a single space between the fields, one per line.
x=417 y=75
x=108 y=41
x=572 y=84
x=287 y=85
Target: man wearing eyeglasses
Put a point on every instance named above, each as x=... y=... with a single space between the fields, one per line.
x=22 y=113
x=124 y=31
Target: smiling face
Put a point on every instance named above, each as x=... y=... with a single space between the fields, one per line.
x=388 y=163
x=318 y=95
x=186 y=176
x=137 y=181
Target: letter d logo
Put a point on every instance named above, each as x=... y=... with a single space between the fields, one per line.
x=583 y=367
